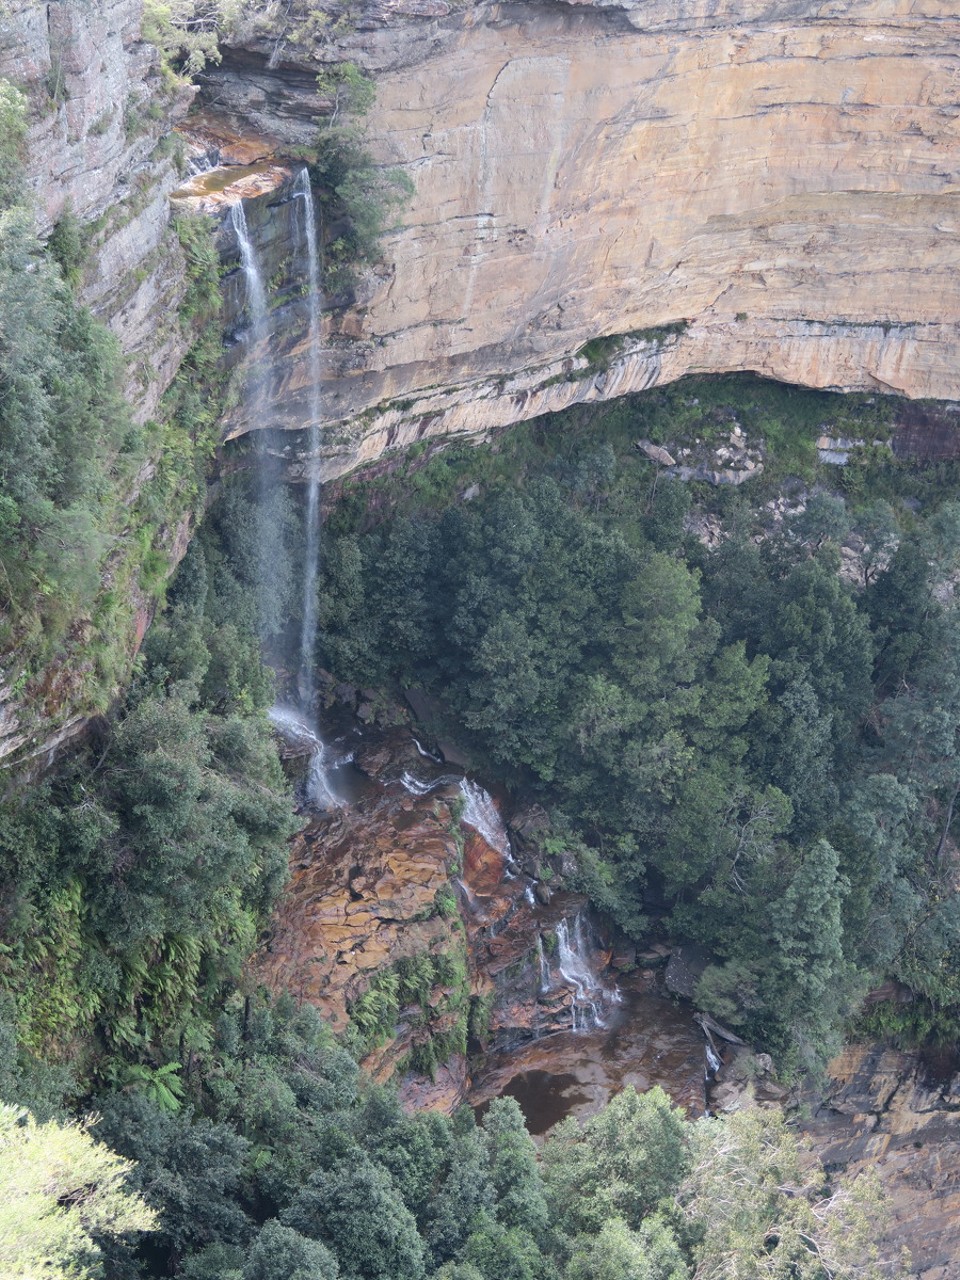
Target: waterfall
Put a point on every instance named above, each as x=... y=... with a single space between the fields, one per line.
x=469 y=895
x=297 y=727
x=427 y=755
x=421 y=787
x=258 y=317
x=546 y=977
x=256 y=297
x=591 y=997
x=311 y=560
x=292 y=726
x=480 y=812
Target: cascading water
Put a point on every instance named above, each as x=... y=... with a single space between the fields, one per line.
x=256 y=297
x=423 y=787
x=295 y=726
x=592 y=999
x=480 y=812
x=258 y=334
x=427 y=755
x=307 y=222
x=292 y=726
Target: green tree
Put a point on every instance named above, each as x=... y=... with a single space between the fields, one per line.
x=619 y=1163
x=461 y=1197
x=356 y=1210
x=618 y=1253
x=187 y=1170
x=59 y=1190
x=13 y=132
x=767 y=1213
x=504 y=1253
x=514 y=1172
x=280 y=1253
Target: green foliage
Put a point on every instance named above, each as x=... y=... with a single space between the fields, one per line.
x=348 y=89
x=67 y=446
x=187 y=1170
x=59 y=1191
x=619 y=1164
x=280 y=1253
x=356 y=1204
x=765 y=1211
x=708 y=724
x=437 y=986
x=67 y=248
x=82 y=533
x=202 y=300
x=133 y=894
x=187 y=31
x=358 y=199
x=619 y=1253
x=514 y=1173
x=13 y=132
x=375 y=1012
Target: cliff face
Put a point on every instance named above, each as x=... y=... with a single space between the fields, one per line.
x=99 y=116
x=99 y=150
x=895 y=1115
x=713 y=184
x=780 y=175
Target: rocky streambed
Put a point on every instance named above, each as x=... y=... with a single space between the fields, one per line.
x=420 y=862
x=553 y=1012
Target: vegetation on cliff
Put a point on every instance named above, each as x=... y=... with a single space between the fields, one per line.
x=136 y=881
x=90 y=502
x=738 y=735
x=718 y=731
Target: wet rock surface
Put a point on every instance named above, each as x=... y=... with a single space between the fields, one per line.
x=363 y=894
x=898 y=1114
x=367 y=880
x=648 y=1041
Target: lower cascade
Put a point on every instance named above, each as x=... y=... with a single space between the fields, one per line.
x=481 y=813
x=574 y=967
x=295 y=729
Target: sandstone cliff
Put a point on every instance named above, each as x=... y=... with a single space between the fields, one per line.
x=895 y=1114
x=712 y=184
x=100 y=150
x=98 y=147
x=741 y=184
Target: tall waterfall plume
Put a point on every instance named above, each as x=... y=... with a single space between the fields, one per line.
x=297 y=726
x=256 y=294
x=307 y=225
x=254 y=391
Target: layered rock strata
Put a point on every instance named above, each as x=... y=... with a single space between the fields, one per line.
x=897 y=1115
x=734 y=185
x=395 y=876
x=99 y=148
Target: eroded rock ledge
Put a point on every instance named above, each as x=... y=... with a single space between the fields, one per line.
x=782 y=177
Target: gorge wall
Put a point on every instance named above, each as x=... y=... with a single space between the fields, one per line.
x=768 y=185
x=710 y=185
x=100 y=117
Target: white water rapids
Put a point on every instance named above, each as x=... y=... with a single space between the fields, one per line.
x=292 y=726
x=572 y=967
